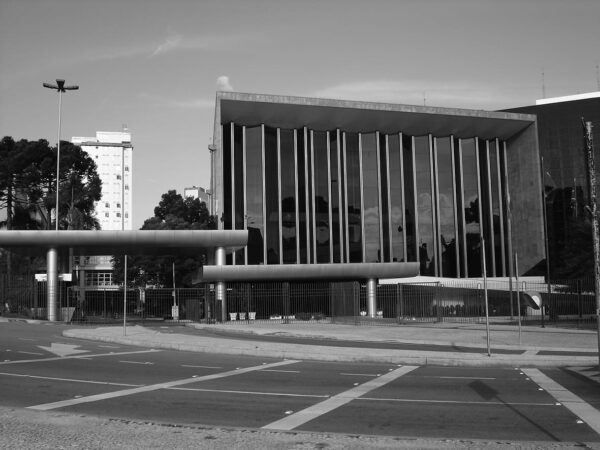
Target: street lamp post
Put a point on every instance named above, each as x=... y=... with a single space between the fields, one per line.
x=52 y=283
x=60 y=88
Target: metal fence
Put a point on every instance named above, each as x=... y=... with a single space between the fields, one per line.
x=568 y=302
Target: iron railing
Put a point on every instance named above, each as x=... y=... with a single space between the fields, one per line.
x=570 y=301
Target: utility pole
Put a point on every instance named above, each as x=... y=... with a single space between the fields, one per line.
x=587 y=126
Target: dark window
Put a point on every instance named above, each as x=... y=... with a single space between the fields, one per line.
x=254 y=194
x=238 y=185
x=227 y=193
x=424 y=205
x=335 y=195
x=288 y=196
x=396 y=211
x=409 y=192
x=353 y=195
x=471 y=207
x=302 y=213
x=446 y=206
x=370 y=198
x=271 y=195
x=321 y=197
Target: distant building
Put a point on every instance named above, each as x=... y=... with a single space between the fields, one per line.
x=564 y=158
x=197 y=192
x=113 y=153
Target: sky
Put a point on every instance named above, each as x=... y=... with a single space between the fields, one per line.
x=155 y=66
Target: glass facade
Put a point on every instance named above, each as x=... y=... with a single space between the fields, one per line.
x=337 y=196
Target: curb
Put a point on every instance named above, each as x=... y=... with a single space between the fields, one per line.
x=327 y=353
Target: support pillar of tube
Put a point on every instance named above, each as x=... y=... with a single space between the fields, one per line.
x=372 y=297
x=221 y=290
x=52 y=284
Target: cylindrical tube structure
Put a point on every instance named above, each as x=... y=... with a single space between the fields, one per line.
x=221 y=290
x=372 y=297
x=52 y=283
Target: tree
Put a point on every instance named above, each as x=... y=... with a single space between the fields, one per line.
x=28 y=185
x=172 y=213
x=28 y=188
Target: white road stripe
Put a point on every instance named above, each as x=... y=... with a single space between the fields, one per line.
x=30 y=353
x=312 y=412
x=575 y=404
x=282 y=371
x=147 y=363
x=70 y=380
x=459 y=402
x=359 y=374
x=224 y=391
x=153 y=387
x=202 y=367
x=86 y=356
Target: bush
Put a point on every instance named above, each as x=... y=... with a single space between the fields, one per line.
x=303 y=316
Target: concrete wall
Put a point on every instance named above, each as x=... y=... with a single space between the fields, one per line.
x=525 y=189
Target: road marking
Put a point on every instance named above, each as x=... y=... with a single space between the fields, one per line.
x=63 y=349
x=70 y=380
x=459 y=402
x=575 y=404
x=360 y=374
x=201 y=367
x=26 y=339
x=458 y=378
x=529 y=352
x=137 y=362
x=312 y=412
x=282 y=371
x=30 y=353
x=153 y=387
x=225 y=391
x=62 y=358
x=109 y=346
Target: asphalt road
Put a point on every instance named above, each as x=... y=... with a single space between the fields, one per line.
x=43 y=371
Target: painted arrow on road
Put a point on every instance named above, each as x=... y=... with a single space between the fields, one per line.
x=63 y=349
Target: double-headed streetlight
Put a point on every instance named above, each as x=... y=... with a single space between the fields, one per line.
x=60 y=88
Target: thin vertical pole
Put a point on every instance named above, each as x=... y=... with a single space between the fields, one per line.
x=518 y=296
x=485 y=293
x=58 y=156
x=125 y=299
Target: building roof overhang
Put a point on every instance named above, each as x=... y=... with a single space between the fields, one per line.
x=355 y=116
x=146 y=242
x=299 y=272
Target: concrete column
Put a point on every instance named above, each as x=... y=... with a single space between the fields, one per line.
x=221 y=292
x=52 y=284
x=372 y=297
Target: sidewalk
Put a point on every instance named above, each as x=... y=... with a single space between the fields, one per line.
x=446 y=344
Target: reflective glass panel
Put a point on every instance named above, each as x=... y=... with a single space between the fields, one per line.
x=383 y=192
x=335 y=195
x=302 y=215
x=271 y=195
x=446 y=206
x=254 y=195
x=370 y=198
x=424 y=205
x=227 y=199
x=353 y=195
x=396 y=213
x=409 y=192
x=288 y=196
x=471 y=207
x=321 y=197
x=238 y=184
x=496 y=212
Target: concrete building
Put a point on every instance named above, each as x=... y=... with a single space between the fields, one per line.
x=329 y=182
x=566 y=178
x=113 y=153
x=197 y=192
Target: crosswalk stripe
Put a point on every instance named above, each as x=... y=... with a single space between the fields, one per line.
x=583 y=410
x=312 y=412
x=153 y=387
